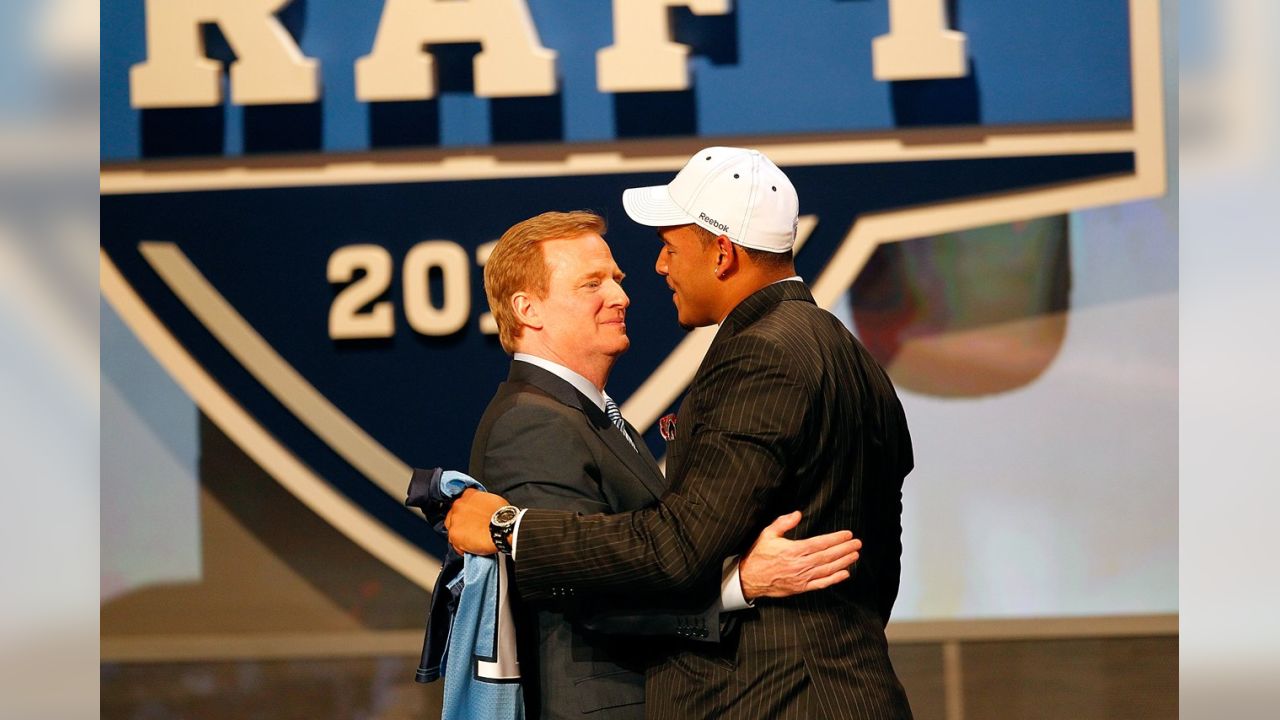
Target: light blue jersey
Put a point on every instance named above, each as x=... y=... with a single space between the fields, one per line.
x=481 y=671
x=479 y=664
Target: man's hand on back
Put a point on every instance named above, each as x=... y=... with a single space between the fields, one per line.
x=468 y=522
x=778 y=567
x=773 y=567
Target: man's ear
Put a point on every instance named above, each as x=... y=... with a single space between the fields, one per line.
x=726 y=257
x=527 y=309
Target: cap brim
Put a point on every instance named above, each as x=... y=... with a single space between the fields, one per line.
x=653 y=206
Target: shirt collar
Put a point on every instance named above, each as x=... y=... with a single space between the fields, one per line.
x=579 y=383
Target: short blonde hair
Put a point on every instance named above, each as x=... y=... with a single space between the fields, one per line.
x=517 y=263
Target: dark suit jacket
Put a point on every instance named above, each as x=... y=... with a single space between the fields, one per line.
x=787 y=411
x=541 y=443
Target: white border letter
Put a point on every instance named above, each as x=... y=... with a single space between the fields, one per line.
x=643 y=58
x=919 y=45
x=511 y=63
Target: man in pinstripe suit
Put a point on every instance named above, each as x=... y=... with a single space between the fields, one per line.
x=786 y=411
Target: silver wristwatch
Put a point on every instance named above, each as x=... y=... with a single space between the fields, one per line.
x=501 y=526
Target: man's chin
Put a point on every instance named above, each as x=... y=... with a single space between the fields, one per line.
x=690 y=325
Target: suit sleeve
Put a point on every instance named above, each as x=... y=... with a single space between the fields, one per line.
x=537 y=458
x=755 y=408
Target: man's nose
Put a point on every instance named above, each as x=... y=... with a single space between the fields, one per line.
x=660 y=265
x=620 y=298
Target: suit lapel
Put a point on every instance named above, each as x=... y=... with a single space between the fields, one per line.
x=653 y=478
x=641 y=464
x=685 y=422
x=638 y=460
x=747 y=312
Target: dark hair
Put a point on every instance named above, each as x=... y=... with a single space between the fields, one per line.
x=763 y=258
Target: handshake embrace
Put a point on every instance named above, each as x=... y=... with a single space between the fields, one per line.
x=788 y=425
x=774 y=566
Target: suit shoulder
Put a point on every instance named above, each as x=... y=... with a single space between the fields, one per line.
x=533 y=410
x=788 y=334
x=525 y=399
x=791 y=317
x=795 y=340
x=529 y=423
x=525 y=416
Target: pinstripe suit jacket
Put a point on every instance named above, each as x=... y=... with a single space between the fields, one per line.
x=787 y=411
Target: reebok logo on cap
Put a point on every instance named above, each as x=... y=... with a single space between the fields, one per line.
x=717 y=225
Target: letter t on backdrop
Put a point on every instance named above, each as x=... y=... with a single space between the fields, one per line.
x=919 y=45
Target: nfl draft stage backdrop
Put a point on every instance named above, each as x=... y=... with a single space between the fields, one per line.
x=299 y=196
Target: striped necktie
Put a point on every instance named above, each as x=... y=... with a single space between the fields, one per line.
x=611 y=409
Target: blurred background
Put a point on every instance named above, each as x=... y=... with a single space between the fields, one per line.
x=49 y=358
x=1077 y=377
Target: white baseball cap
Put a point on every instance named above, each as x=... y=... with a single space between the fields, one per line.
x=734 y=192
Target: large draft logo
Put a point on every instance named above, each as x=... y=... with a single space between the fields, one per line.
x=325 y=310
x=271 y=69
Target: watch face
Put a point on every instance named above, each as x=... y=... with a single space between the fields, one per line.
x=505 y=516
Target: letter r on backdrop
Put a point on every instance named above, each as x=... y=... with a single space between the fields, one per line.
x=270 y=68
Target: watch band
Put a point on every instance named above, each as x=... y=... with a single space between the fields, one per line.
x=502 y=525
x=502 y=539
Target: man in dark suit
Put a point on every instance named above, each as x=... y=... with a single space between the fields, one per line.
x=787 y=410
x=552 y=438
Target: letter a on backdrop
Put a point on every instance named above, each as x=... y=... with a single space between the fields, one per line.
x=512 y=63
